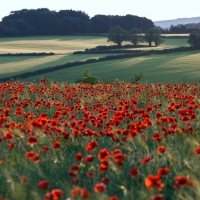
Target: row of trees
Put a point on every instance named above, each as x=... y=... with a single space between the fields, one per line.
x=45 y=22
x=118 y=35
x=178 y=29
x=194 y=39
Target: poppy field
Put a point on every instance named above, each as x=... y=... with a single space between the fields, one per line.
x=117 y=141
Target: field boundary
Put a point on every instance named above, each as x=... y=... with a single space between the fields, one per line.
x=28 y=54
x=177 y=49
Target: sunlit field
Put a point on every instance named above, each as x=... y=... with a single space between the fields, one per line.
x=107 y=141
x=63 y=47
x=55 y=44
x=166 y=68
x=20 y=64
x=66 y=44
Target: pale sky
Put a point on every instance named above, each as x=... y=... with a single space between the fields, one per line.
x=152 y=9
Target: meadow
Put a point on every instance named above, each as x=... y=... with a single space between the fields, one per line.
x=116 y=141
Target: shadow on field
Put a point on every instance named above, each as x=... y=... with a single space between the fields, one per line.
x=9 y=59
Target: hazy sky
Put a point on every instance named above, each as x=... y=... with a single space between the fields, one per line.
x=153 y=9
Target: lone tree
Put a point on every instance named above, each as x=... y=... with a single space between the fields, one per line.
x=194 y=39
x=117 y=35
x=134 y=36
x=153 y=35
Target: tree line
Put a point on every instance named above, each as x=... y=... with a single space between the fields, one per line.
x=118 y=35
x=43 y=21
x=179 y=29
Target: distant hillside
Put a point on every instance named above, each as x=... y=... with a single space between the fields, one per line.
x=167 y=23
x=193 y=25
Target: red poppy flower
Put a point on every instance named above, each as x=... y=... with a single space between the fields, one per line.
x=197 y=151
x=75 y=167
x=100 y=187
x=44 y=184
x=156 y=137
x=158 y=197
x=74 y=181
x=116 y=151
x=182 y=181
x=48 y=196
x=113 y=198
x=11 y=145
x=154 y=181
x=158 y=115
x=119 y=159
x=89 y=158
x=45 y=148
x=24 y=179
x=84 y=193
x=105 y=180
x=36 y=158
x=90 y=174
x=92 y=145
x=134 y=172
x=29 y=155
x=146 y=160
x=56 y=145
x=78 y=157
x=103 y=166
x=8 y=136
x=104 y=154
x=73 y=171
x=193 y=116
x=185 y=118
x=163 y=171
x=56 y=194
x=76 y=192
x=32 y=140
x=161 y=149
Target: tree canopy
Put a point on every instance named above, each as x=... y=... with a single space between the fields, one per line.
x=133 y=35
x=117 y=35
x=43 y=21
x=153 y=35
x=194 y=39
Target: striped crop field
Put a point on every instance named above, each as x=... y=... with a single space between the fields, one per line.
x=173 y=68
x=20 y=64
x=66 y=44
x=63 y=48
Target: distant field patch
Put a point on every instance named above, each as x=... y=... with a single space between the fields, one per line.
x=175 y=34
x=171 y=68
x=67 y=44
x=19 y=64
x=123 y=69
x=56 y=44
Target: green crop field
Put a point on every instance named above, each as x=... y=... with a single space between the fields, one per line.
x=170 y=66
x=20 y=64
x=173 y=67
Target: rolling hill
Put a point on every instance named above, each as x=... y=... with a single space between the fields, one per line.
x=167 y=23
